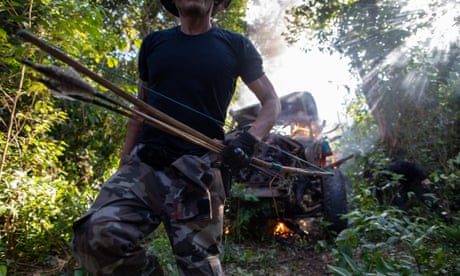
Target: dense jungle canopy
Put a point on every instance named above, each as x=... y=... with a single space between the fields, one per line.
x=56 y=153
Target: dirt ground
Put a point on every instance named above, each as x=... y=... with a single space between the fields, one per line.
x=252 y=259
x=286 y=253
x=280 y=260
x=248 y=258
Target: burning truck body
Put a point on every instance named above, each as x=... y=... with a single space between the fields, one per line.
x=296 y=141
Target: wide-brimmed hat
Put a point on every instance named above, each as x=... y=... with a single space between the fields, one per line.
x=218 y=5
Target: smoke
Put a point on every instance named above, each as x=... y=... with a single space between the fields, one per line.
x=292 y=69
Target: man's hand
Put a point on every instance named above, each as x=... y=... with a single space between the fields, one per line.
x=238 y=152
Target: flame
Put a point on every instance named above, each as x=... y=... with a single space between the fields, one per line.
x=332 y=160
x=227 y=230
x=311 y=130
x=281 y=230
x=299 y=130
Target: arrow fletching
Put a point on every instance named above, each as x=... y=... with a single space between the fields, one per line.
x=63 y=83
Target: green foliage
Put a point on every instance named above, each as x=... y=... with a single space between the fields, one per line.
x=159 y=245
x=97 y=135
x=315 y=19
x=40 y=159
x=38 y=209
x=407 y=86
x=3 y=270
x=388 y=241
x=233 y=17
x=392 y=242
x=56 y=153
x=361 y=135
x=446 y=182
x=242 y=209
x=241 y=260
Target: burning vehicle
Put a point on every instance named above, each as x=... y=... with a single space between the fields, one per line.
x=298 y=141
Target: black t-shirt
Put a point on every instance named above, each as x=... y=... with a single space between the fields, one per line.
x=192 y=78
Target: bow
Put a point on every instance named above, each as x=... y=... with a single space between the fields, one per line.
x=67 y=84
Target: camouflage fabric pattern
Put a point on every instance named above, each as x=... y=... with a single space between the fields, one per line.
x=188 y=197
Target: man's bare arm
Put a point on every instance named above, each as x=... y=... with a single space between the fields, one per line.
x=271 y=107
x=134 y=126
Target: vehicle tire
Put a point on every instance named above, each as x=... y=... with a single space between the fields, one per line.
x=335 y=200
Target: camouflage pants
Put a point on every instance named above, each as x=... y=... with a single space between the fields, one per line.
x=132 y=204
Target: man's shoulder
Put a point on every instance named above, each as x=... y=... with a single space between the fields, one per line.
x=227 y=33
x=234 y=38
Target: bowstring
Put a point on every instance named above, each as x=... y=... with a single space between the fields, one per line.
x=152 y=91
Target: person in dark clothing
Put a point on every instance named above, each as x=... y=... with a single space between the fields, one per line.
x=411 y=179
x=188 y=72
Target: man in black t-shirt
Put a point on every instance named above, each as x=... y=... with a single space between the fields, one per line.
x=188 y=72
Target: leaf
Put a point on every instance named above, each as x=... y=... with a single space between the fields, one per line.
x=112 y=62
x=354 y=266
x=79 y=272
x=383 y=266
x=3 y=270
x=339 y=270
x=248 y=254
